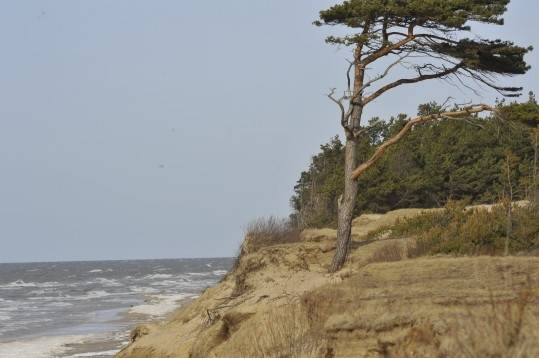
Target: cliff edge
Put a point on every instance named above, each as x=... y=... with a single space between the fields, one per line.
x=279 y=301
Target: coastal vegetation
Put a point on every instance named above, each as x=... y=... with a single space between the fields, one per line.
x=428 y=38
x=438 y=161
x=392 y=299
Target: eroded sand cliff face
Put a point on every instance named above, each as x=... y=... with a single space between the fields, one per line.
x=280 y=302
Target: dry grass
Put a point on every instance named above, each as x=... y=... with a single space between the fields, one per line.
x=417 y=248
x=260 y=233
x=391 y=252
x=502 y=329
x=284 y=332
x=321 y=304
x=430 y=308
x=270 y=231
x=507 y=329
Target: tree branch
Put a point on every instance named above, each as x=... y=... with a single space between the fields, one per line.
x=384 y=74
x=403 y=81
x=460 y=114
x=387 y=48
x=338 y=102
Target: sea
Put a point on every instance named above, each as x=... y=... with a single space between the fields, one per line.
x=88 y=309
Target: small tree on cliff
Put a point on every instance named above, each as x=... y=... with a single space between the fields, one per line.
x=425 y=37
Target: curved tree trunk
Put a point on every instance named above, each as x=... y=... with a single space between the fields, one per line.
x=352 y=126
x=346 y=205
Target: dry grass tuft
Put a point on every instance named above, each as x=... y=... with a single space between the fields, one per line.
x=507 y=329
x=417 y=248
x=391 y=252
x=270 y=231
x=284 y=332
x=260 y=233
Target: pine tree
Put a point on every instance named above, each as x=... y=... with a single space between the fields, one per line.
x=427 y=33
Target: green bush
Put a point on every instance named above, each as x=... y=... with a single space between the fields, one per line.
x=460 y=231
x=435 y=162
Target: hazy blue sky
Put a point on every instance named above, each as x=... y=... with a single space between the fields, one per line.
x=151 y=129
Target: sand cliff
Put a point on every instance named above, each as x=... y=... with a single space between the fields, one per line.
x=280 y=302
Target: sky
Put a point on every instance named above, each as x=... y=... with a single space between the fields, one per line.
x=135 y=129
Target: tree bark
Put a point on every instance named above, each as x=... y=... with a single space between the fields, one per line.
x=346 y=205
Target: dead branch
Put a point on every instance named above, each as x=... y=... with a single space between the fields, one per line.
x=339 y=102
x=460 y=114
x=383 y=74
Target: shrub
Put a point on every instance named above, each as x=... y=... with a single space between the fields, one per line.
x=461 y=231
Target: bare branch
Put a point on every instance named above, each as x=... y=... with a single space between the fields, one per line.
x=385 y=73
x=338 y=102
x=460 y=114
x=446 y=102
x=348 y=79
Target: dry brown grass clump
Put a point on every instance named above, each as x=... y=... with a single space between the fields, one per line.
x=391 y=252
x=284 y=332
x=507 y=329
x=260 y=233
x=270 y=231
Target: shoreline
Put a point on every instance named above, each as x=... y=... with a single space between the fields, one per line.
x=90 y=309
x=110 y=344
x=79 y=341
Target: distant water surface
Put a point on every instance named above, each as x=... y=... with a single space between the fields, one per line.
x=57 y=309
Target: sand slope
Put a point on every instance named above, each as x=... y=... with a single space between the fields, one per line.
x=413 y=307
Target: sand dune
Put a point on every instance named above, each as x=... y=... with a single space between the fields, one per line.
x=280 y=302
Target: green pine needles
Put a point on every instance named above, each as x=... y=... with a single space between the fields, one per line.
x=433 y=30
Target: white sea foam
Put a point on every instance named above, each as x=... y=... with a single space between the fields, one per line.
x=105 y=282
x=144 y=289
x=22 y=284
x=37 y=292
x=95 y=271
x=96 y=294
x=59 y=304
x=166 y=283
x=95 y=354
x=89 y=295
x=43 y=347
x=160 y=305
x=157 y=276
x=198 y=273
x=220 y=272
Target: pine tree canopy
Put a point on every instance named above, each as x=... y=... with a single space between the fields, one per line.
x=433 y=30
x=438 y=14
x=525 y=113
